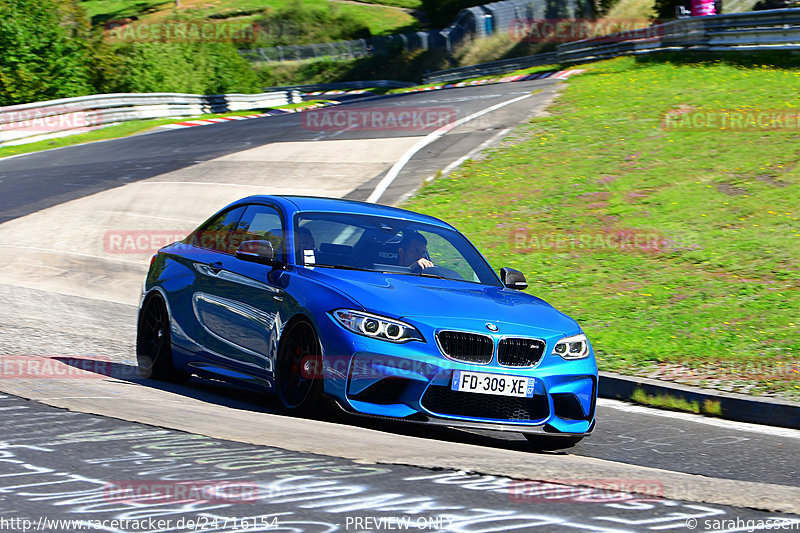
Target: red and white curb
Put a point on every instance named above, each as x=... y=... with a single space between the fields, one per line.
x=271 y=113
x=559 y=75
x=338 y=92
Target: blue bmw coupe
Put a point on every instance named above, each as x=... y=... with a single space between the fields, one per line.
x=387 y=312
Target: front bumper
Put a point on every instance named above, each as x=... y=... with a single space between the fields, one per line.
x=411 y=381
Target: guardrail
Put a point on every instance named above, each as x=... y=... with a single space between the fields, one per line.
x=495 y=67
x=55 y=118
x=777 y=29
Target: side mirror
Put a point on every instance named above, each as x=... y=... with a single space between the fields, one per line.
x=513 y=279
x=256 y=252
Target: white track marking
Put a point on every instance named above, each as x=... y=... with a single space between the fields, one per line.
x=699 y=419
x=126 y=214
x=428 y=139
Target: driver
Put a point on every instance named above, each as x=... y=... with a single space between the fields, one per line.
x=412 y=250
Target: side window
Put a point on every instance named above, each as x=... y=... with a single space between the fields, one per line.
x=260 y=222
x=216 y=234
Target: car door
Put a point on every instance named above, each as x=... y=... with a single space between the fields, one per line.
x=190 y=272
x=240 y=300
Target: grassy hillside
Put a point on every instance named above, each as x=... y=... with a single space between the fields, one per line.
x=678 y=251
x=380 y=16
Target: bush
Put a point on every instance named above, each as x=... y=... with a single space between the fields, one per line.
x=602 y=7
x=442 y=12
x=45 y=53
x=200 y=68
x=297 y=23
x=665 y=9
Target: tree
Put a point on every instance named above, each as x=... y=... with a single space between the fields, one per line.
x=44 y=51
x=442 y=13
x=665 y=9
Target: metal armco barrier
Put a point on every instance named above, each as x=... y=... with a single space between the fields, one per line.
x=495 y=67
x=20 y=123
x=777 y=29
x=342 y=85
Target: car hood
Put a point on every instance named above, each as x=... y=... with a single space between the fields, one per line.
x=417 y=297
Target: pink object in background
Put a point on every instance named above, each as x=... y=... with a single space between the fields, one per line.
x=703 y=8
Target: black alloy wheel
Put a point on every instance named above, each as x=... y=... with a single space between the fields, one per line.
x=154 y=345
x=299 y=368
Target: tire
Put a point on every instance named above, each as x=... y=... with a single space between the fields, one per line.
x=298 y=378
x=154 y=343
x=545 y=443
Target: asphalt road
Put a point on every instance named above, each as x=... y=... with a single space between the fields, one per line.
x=32 y=182
x=79 y=327
x=42 y=323
x=62 y=470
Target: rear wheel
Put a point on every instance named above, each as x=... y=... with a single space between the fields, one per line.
x=154 y=345
x=547 y=443
x=299 y=368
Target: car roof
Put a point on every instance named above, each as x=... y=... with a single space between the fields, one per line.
x=338 y=205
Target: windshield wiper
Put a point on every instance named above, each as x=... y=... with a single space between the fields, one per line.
x=345 y=267
x=339 y=267
x=423 y=274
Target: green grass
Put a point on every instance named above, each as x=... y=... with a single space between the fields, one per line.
x=722 y=292
x=380 y=17
x=677 y=403
x=665 y=401
x=405 y=4
x=123 y=8
x=126 y=129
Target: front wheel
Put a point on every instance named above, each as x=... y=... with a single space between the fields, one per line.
x=299 y=368
x=153 y=343
x=546 y=443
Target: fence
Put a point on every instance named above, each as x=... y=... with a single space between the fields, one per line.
x=344 y=85
x=772 y=30
x=473 y=22
x=27 y=122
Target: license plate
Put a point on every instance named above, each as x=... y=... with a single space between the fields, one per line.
x=498 y=384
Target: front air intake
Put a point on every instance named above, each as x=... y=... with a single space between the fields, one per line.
x=466 y=347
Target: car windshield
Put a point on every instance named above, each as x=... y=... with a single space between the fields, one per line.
x=388 y=245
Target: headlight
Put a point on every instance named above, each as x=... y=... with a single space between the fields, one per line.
x=575 y=347
x=378 y=327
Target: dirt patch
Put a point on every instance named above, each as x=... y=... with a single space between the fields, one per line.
x=772 y=180
x=730 y=190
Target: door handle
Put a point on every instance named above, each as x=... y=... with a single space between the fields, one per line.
x=215 y=267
